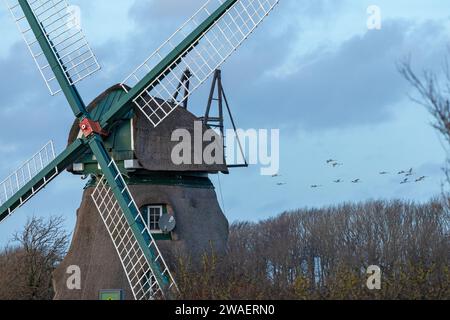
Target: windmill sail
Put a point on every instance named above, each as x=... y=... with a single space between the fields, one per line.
x=146 y=271
x=201 y=58
x=62 y=32
x=34 y=175
x=26 y=172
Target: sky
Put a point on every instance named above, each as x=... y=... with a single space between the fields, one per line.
x=313 y=70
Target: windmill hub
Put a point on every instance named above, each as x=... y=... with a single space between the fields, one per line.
x=89 y=127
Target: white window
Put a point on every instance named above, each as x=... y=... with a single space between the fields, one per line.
x=152 y=213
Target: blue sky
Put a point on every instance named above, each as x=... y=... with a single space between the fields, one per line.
x=313 y=70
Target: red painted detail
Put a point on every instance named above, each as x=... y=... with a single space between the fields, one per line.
x=89 y=127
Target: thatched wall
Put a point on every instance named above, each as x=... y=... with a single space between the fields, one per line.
x=201 y=226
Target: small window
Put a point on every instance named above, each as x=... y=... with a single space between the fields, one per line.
x=151 y=215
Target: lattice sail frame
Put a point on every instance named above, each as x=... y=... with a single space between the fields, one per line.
x=61 y=28
x=30 y=169
x=138 y=270
x=201 y=59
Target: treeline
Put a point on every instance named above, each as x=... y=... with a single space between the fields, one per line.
x=27 y=264
x=303 y=254
x=325 y=253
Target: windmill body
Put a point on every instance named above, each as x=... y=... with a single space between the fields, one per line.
x=121 y=140
x=184 y=192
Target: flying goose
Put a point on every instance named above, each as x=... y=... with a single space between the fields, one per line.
x=421 y=179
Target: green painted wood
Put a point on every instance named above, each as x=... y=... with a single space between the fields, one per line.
x=118 y=143
x=131 y=213
x=170 y=179
x=73 y=97
x=162 y=237
x=106 y=104
x=65 y=159
x=124 y=104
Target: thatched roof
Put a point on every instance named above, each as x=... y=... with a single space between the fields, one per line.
x=153 y=146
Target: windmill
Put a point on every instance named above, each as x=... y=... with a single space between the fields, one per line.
x=64 y=58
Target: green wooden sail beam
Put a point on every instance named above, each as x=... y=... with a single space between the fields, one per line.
x=73 y=97
x=126 y=202
x=123 y=105
x=51 y=171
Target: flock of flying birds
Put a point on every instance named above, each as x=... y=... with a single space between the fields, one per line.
x=408 y=176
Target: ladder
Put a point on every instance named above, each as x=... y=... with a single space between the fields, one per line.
x=147 y=272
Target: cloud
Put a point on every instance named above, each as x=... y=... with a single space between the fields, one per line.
x=150 y=12
x=355 y=84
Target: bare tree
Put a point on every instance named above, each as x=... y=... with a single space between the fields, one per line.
x=433 y=90
x=434 y=93
x=28 y=263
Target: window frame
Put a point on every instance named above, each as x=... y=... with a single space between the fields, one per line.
x=160 y=207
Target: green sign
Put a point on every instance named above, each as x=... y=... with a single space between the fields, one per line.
x=111 y=295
